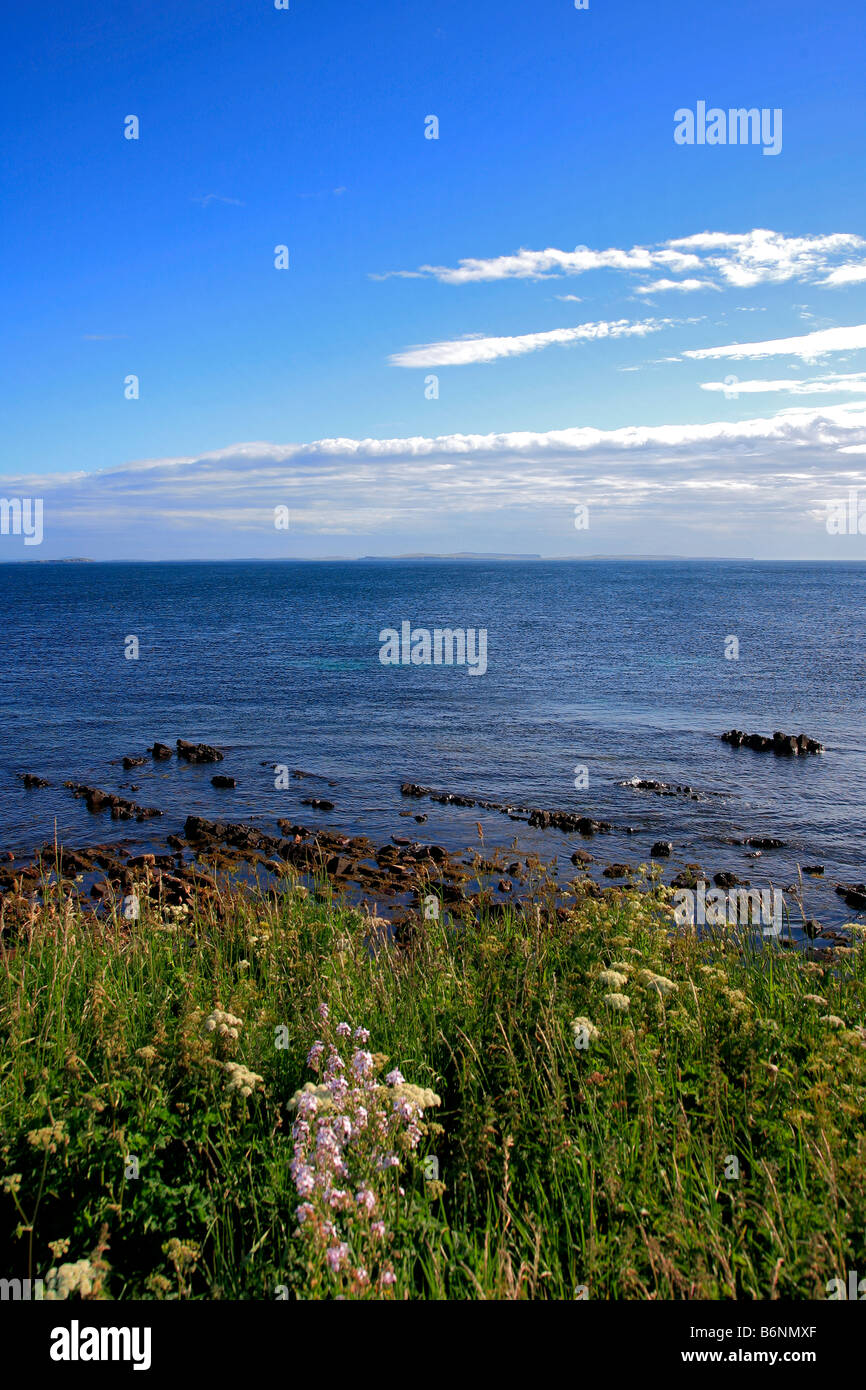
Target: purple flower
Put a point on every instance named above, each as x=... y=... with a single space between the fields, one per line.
x=362 y=1064
x=323 y=1011
x=389 y=1277
x=377 y=1228
x=314 y=1055
x=304 y=1212
x=343 y=1030
x=305 y=1180
x=395 y=1078
x=308 y=1105
x=337 y=1255
x=362 y=1035
x=366 y=1199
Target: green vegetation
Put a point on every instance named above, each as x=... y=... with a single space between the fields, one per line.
x=601 y=1152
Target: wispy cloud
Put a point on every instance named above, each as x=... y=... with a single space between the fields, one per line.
x=832 y=384
x=460 y=352
x=736 y=259
x=808 y=346
x=218 y=198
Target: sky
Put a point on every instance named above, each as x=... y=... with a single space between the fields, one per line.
x=556 y=304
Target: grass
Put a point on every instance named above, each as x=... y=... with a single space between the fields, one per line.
x=707 y=1143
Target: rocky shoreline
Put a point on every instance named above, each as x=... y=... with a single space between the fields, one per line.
x=402 y=876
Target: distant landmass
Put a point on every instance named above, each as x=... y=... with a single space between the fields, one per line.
x=457 y=555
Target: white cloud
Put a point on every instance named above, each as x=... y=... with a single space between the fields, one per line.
x=691 y=477
x=740 y=259
x=656 y=286
x=808 y=346
x=853 y=382
x=460 y=352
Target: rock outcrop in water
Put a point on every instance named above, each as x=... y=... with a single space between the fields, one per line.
x=120 y=808
x=783 y=745
x=198 y=752
x=648 y=784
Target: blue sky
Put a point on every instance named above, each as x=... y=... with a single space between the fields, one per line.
x=411 y=256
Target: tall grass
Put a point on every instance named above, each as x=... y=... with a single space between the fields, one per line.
x=707 y=1143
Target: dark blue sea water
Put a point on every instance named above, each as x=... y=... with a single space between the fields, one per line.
x=617 y=666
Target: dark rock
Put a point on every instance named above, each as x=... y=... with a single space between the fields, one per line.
x=813 y=869
x=649 y=784
x=30 y=780
x=339 y=866
x=783 y=745
x=198 y=752
x=160 y=751
x=689 y=877
x=725 y=879
x=221 y=781
x=419 y=819
x=504 y=885
x=582 y=856
x=765 y=842
x=617 y=871
x=662 y=849
x=318 y=803
x=129 y=761
x=198 y=828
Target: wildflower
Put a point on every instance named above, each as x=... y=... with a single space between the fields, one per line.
x=11 y=1184
x=377 y=1228
x=184 y=1256
x=320 y=1096
x=362 y=1035
x=815 y=999
x=240 y=1079
x=619 y=1002
x=304 y=1213
x=147 y=1054
x=226 y=1025
x=337 y=1256
x=58 y=1248
x=49 y=1137
x=387 y=1161
x=389 y=1277
x=323 y=1011
x=303 y=1177
x=395 y=1078
x=362 y=1276
x=362 y=1064
x=585 y=1029
x=833 y=1020
x=69 y=1279
x=612 y=979
x=343 y=1030
x=366 y=1199
x=419 y=1095
x=660 y=983
x=314 y=1055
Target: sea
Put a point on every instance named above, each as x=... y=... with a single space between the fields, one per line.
x=597 y=673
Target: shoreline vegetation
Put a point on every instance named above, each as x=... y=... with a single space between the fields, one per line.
x=265 y=1094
